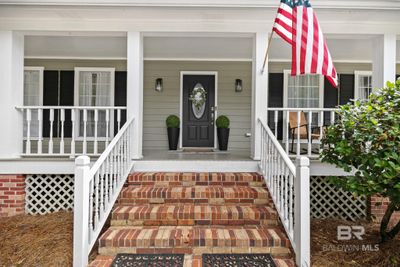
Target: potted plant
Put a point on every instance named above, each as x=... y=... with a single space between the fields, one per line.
x=223 y=132
x=173 y=124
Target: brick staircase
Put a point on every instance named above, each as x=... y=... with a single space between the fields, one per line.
x=194 y=213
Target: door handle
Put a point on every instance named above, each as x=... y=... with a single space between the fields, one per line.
x=212 y=117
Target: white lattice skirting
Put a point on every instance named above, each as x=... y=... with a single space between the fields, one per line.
x=49 y=193
x=327 y=201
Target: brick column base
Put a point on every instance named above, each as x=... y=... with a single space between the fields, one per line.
x=12 y=195
x=378 y=207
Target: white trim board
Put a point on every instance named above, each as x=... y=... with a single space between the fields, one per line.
x=215 y=73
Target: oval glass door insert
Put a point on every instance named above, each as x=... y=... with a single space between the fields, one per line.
x=198 y=98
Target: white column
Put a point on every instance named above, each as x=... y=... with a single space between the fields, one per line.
x=135 y=89
x=259 y=92
x=384 y=60
x=11 y=93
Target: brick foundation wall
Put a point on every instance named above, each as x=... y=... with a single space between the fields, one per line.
x=12 y=195
x=378 y=208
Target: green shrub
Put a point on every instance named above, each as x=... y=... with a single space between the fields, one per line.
x=222 y=122
x=173 y=121
x=366 y=140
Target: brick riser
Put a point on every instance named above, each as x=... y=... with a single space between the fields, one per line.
x=161 y=179
x=150 y=215
x=194 y=194
x=195 y=213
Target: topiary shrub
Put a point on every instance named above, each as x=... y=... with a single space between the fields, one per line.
x=173 y=121
x=366 y=140
x=222 y=122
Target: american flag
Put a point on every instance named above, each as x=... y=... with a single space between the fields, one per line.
x=297 y=24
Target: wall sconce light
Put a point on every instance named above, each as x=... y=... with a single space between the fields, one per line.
x=238 y=85
x=159 y=85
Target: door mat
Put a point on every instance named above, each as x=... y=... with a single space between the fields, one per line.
x=238 y=260
x=198 y=150
x=148 y=260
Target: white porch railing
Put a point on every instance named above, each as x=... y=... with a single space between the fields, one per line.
x=300 y=129
x=289 y=186
x=70 y=130
x=96 y=190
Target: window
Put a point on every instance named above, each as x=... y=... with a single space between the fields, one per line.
x=362 y=84
x=33 y=96
x=304 y=91
x=94 y=87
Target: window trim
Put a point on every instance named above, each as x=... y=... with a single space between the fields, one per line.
x=286 y=74
x=357 y=74
x=77 y=70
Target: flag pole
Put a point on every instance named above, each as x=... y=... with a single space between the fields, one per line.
x=266 y=53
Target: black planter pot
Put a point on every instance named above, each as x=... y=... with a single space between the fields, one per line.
x=173 y=138
x=223 y=138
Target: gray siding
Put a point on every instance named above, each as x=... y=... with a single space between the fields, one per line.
x=157 y=106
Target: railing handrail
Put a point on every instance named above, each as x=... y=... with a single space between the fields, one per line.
x=73 y=107
x=278 y=146
x=301 y=109
x=96 y=166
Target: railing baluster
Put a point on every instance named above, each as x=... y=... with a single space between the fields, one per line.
x=119 y=119
x=62 y=120
x=101 y=177
x=96 y=119
x=321 y=128
x=40 y=137
x=84 y=147
x=276 y=123
x=286 y=125
x=298 y=133
x=28 y=131
x=309 y=148
x=51 y=120
x=96 y=200
x=73 y=122
x=332 y=117
x=107 y=126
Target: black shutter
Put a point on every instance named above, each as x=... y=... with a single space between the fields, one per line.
x=120 y=96
x=67 y=98
x=346 y=88
x=275 y=99
x=50 y=98
x=331 y=99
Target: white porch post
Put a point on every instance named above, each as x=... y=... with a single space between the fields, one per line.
x=259 y=92
x=11 y=93
x=135 y=89
x=384 y=60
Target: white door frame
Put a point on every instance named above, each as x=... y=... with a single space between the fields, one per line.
x=215 y=74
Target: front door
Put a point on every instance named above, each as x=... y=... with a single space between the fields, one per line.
x=198 y=106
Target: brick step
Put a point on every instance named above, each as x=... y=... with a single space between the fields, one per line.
x=195 y=194
x=194 y=240
x=190 y=261
x=190 y=214
x=191 y=179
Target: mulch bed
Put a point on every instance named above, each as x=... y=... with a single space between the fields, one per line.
x=36 y=240
x=327 y=251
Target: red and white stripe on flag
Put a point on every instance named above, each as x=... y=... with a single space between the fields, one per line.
x=297 y=23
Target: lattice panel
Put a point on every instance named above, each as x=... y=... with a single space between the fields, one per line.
x=49 y=193
x=327 y=201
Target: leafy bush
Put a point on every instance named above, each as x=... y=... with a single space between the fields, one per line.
x=222 y=122
x=173 y=121
x=366 y=140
